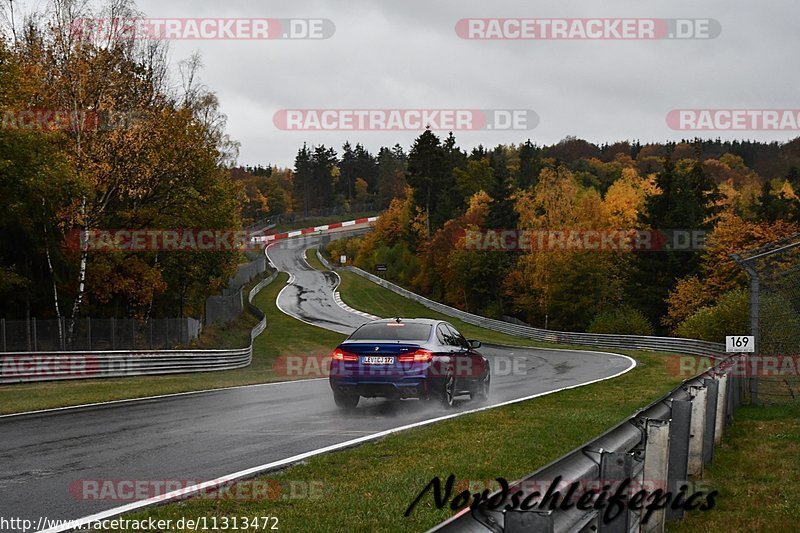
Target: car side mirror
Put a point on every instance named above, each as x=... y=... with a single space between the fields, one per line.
x=474 y=344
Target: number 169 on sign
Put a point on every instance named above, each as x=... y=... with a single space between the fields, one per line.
x=740 y=343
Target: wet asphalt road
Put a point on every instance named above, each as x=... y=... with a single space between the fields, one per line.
x=207 y=435
x=307 y=296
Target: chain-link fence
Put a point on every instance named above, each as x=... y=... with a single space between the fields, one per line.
x=230 y=304
x=774 y=272
x=244 y=274
x=88 y=334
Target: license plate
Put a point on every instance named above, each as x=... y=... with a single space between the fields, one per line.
x=377 y=360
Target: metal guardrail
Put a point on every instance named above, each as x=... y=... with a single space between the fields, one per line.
x=603 y=340
x=659 y=448
x=24 y=367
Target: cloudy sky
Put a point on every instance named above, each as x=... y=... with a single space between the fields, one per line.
x=406 y=54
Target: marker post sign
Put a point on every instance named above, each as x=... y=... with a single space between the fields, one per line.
x=740 y=344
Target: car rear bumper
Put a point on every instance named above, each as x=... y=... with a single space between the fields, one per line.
x=407 y=388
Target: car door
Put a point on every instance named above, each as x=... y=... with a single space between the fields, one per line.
x=470 y=365
x=447 y=351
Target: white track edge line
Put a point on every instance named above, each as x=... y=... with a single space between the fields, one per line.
x=156 y=397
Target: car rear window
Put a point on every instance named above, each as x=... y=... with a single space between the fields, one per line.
x=392 y=331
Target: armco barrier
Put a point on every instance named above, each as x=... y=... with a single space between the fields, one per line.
x=661 y=447
x=626 y=342
x=46 y=366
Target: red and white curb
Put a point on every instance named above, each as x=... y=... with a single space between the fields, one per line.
x=315 y=229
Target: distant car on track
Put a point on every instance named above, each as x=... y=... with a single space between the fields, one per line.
x=408 y=358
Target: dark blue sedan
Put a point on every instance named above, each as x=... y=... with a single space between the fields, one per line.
x=408 y=358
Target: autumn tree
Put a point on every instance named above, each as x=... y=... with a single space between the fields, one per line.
x=684 y=201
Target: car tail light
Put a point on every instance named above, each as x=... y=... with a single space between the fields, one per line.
x=341 y=355
x=420 y=356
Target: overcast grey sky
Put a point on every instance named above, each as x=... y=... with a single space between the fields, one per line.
x=406 y=54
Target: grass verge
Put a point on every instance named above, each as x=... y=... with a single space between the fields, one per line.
x=364 y=295
x=757 y=471
x=313 y=260
x=283 y=336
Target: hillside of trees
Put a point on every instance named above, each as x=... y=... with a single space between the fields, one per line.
x=324 y=179
x=144 y=146
x=742 y=194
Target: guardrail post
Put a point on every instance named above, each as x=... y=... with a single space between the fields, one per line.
x=755 y=289
x=697 y=428
x=656 y=466
x=732 y=403
x=679 y=434
x=526 y=521
x=722 y=406
x=712 y=388
x=614 y=468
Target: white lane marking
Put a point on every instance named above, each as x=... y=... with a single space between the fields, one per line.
x=338 y=299
x=305 y=259
x=157 y=397
x=187 y=491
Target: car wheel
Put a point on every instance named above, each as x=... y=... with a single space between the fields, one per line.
x=481 y=392
x=345 y=401
x=448 y=390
